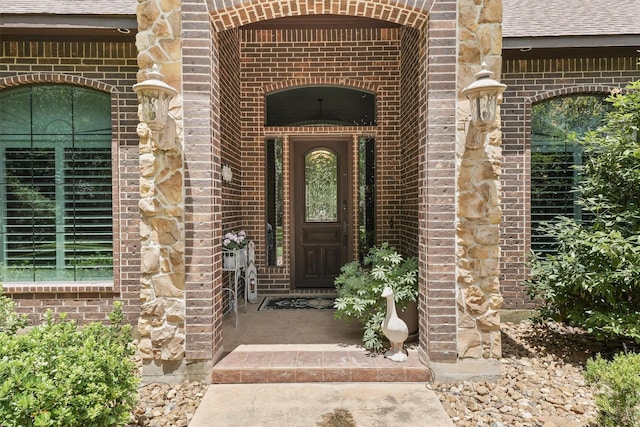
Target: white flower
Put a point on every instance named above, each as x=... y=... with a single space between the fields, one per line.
x=233 y=240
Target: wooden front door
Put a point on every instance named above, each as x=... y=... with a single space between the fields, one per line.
x=322 y=210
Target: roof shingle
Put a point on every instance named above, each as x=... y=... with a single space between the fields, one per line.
x=522 y=18
x=552 y=18
x=68 y=7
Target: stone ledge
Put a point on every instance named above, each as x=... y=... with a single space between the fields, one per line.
x=466 y=370
x=58 y=287
x=175 y=372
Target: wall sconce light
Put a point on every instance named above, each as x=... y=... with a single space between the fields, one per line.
x=483 y=94
x=154 y=95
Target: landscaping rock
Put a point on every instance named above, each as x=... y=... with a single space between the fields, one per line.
x=165 y=405
x=542 y=381
x=542 y=384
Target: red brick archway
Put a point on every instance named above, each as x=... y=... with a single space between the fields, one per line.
x=399 y=12
x=331 y=81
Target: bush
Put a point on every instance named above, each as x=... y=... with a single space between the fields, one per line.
x=60 y=374
x=359 y=288
x=618 y=385
x=593 y=281
x=10 y=321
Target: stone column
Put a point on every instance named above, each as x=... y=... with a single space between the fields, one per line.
x=161 y=325
x=478 y=190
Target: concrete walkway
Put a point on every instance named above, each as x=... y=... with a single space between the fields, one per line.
x=321 y=404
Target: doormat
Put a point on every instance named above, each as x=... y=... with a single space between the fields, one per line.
x=296 y=303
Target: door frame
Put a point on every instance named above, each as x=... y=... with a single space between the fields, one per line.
x=348 y=140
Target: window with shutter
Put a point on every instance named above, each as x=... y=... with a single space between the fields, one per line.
x=557 y=124
x=55 y=184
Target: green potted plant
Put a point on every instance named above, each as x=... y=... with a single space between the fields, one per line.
x=359 y=288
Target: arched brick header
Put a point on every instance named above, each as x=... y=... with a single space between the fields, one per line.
x=38 y=78
x=561 y=92
x=323 y=81
x=400 y=12
x=567 y=91
x=556 y=93
x=27 y=79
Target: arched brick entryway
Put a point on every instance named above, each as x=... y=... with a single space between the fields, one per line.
x=196 y=49
x=211 y=101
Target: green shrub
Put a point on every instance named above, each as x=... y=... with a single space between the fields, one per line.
x=618 y=385
x=60 y=374
x=593 y=281
x=360 y=286
x=10 y=321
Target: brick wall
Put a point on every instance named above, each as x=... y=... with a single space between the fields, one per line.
x=437 y=169
x=529 y=81
x=389 y=61
x=435 y=132
x=230 y=128
x=110 y=67
x=203 y=218
x=410 y=89
x=366 y=58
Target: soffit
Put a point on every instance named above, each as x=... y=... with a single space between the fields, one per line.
x=68 y=19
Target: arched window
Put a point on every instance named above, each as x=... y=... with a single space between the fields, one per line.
x=321 y=106
x=556 y=126
x=55 y=184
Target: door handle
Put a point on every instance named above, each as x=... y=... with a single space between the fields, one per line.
x=345 y=234
x=345 y=224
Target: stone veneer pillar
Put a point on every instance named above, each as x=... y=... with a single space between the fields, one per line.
x=478 y=190
x=161 y=325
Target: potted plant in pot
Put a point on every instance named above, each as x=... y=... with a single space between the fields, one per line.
x=359 y=288
x=234 y=250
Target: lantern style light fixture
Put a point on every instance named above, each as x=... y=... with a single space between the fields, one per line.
x=483 y=95
x=154 y=95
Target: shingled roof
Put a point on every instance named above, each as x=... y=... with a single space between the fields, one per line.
x=553 y=24
x=554 y=18
x=69 y=7
x=523 y=20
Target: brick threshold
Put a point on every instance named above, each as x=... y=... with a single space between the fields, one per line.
x=250 y=364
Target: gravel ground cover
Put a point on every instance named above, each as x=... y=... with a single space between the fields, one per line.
x=163 y=405
x=542 y=381
x=542 y=384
